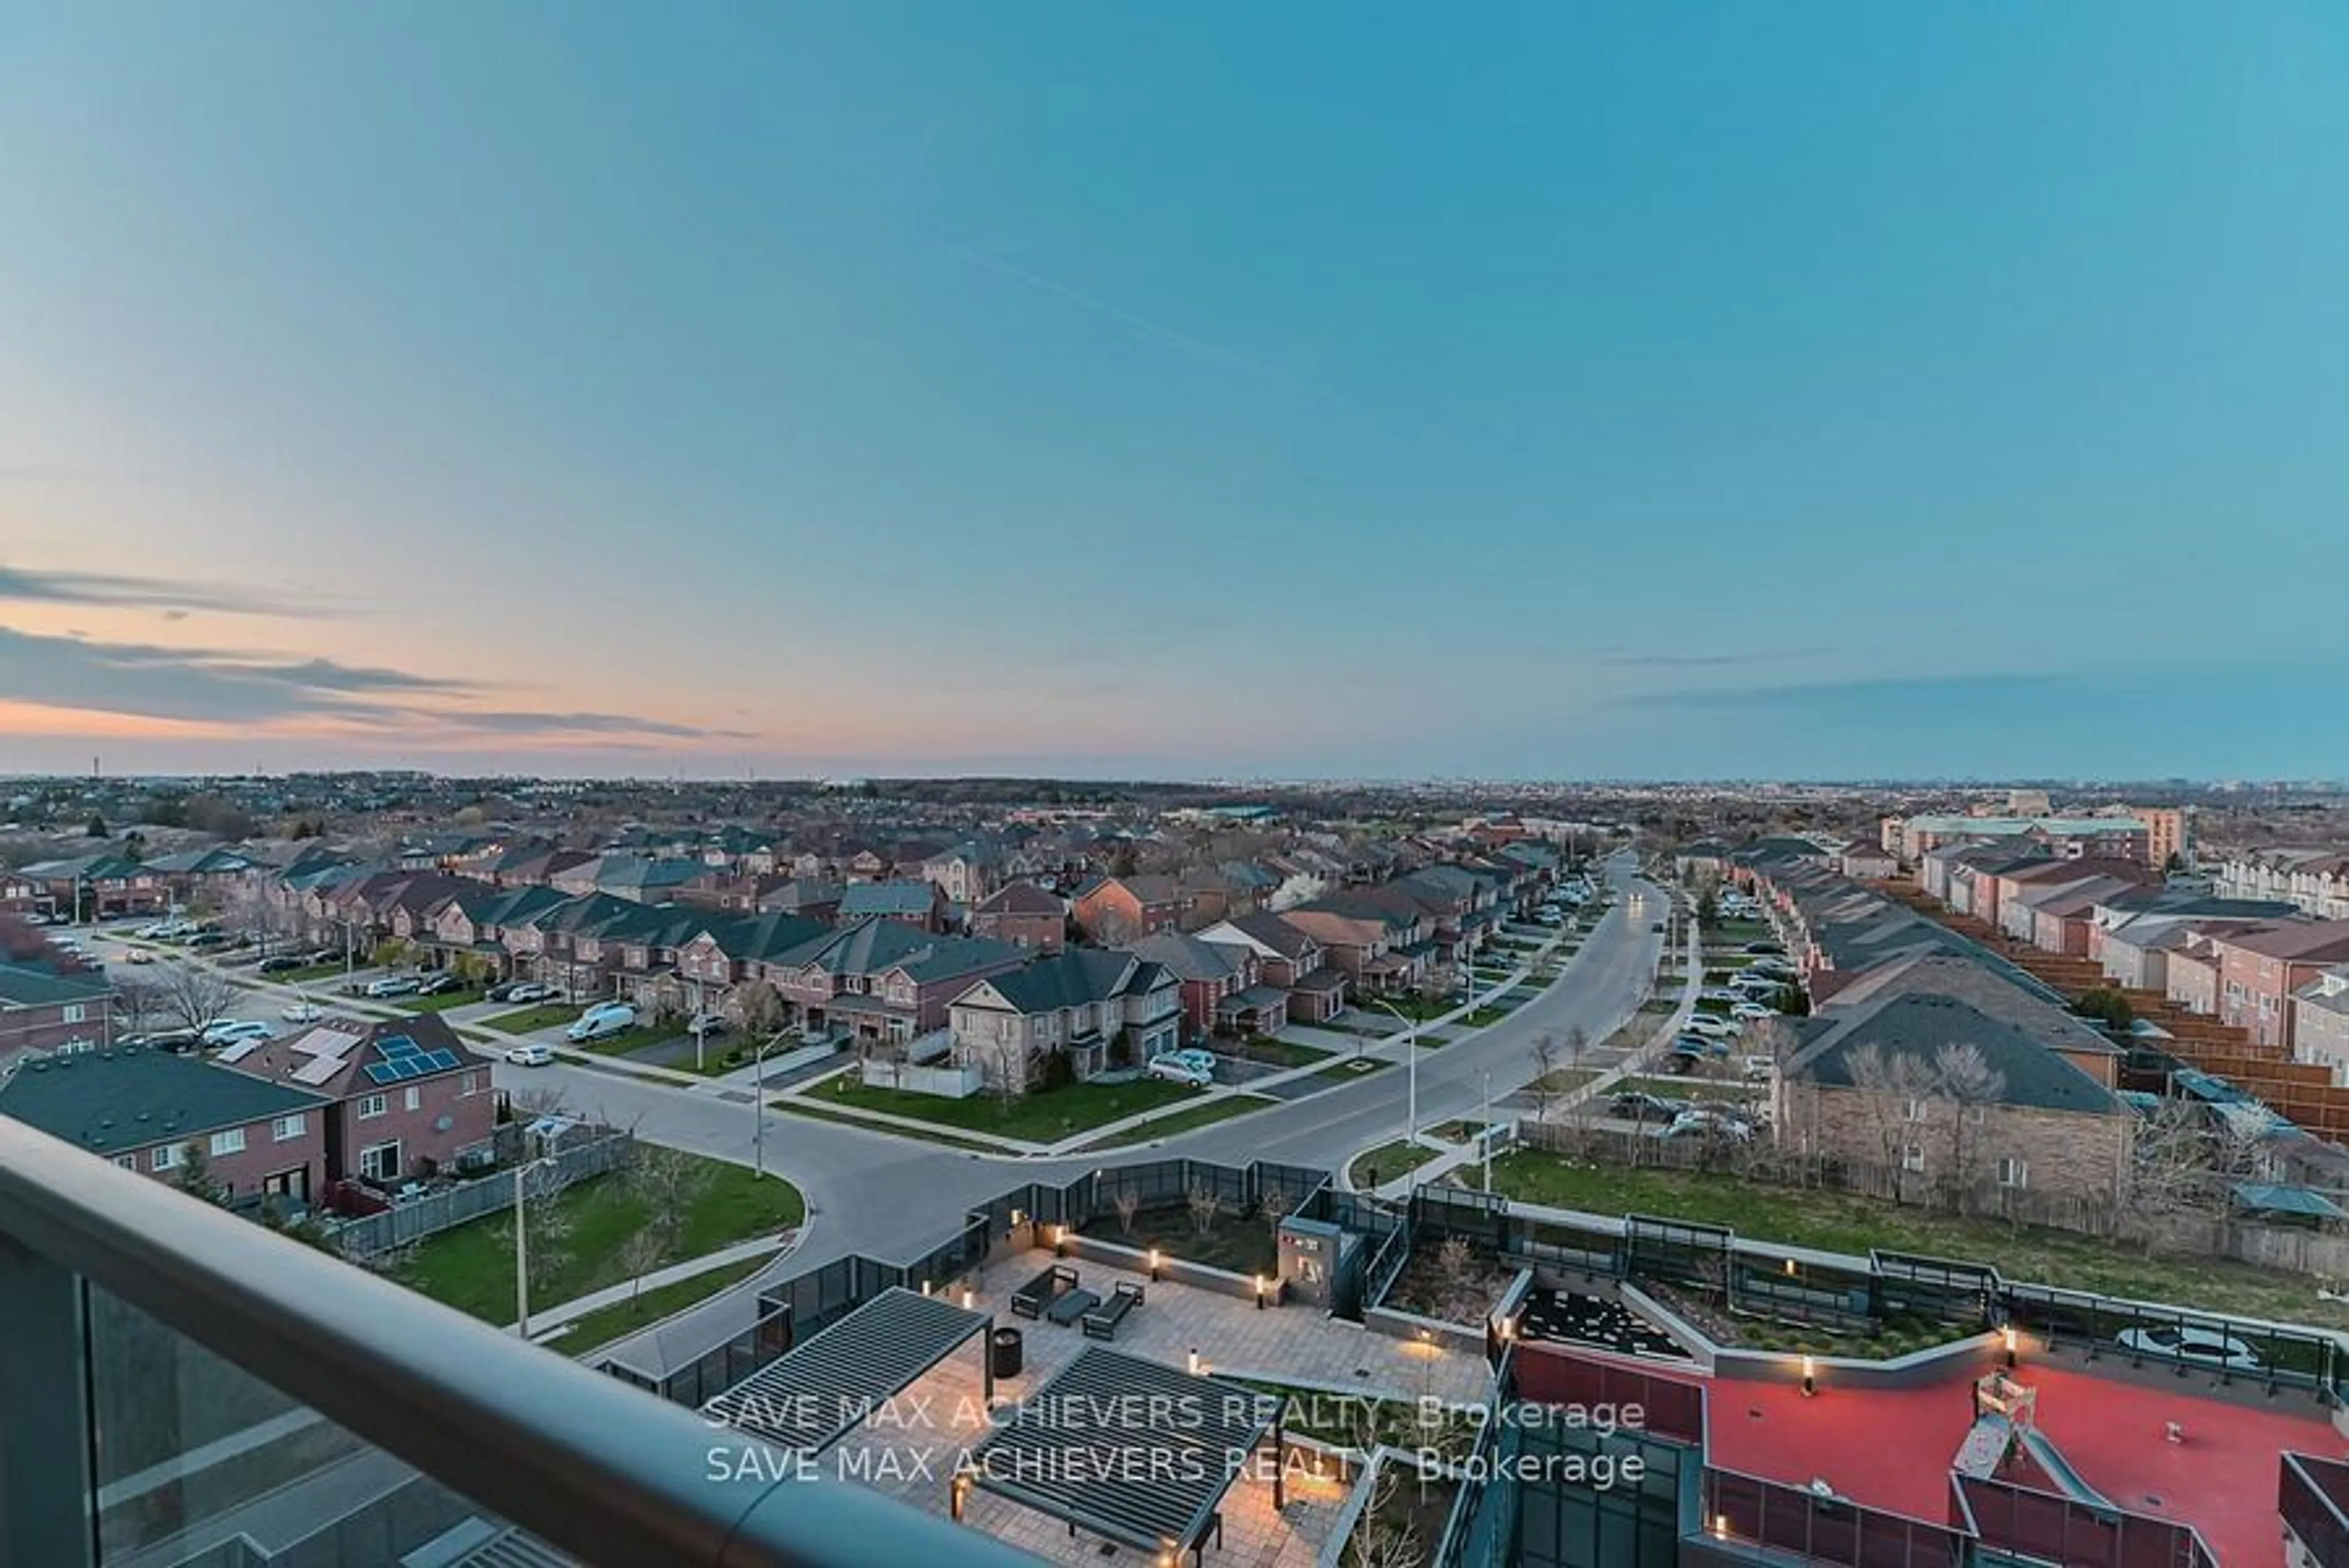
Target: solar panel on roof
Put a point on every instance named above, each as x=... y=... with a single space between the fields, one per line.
x=379 y=1072
x=440 y=1061
x=398 y=1046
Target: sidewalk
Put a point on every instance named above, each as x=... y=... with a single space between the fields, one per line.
x=545 y=1324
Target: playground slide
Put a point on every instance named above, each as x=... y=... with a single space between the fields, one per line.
x=1984 y=1447
x=2068 y=1482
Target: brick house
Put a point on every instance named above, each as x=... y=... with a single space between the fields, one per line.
x=2260 y=966
x=1101 y=1009
x=1361 y=948
x=2047 y=1126
x=1025 y=916
x=1117 y=910
x=966 y=873
x=1213 y=977
x=883 y=981
x=155 y=1113
x=1288 y=957
x=404 y=1097
x=43 y=1008
x=104 y=882
x=2320 y=1022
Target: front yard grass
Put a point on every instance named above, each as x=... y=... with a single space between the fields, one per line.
x=1190 y=1118
x=1045 y=1116
x=605 y=1325
x=1848 y=1223
x=628 y=1039
x=303 y=975
x=1485 y=1016
x=464 y=996
x=471 y=1268
x=1393 y=1159
x=1278 y=1052
x=1355 y=1067
x=530 y=1020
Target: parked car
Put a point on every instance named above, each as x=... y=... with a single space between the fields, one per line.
x=1719 y=993
x=1748 y=1011
x=2202 y=1347
x=602 y=1021
x=1764 y=948
x=1638 y=1105
x=706 y=1024
x=1203 y=1060
x=503 y=990
x=531 y=990
x=1711 y=1028
x=177 y=1041
x=228 y=1031
x=393 y=985
x=206 y=940
x=302 y=1013
x=1757 y=1069
x=1173 y=1068
x=281 y=962
x=435 y=984
x=140 y=955
x=530 y=1054
x=1696 y=1122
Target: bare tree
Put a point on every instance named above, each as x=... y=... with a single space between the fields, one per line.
x=1460 y=1281
x=1545 y=1049
x=757 y=1009
x=1275 y=1206
x=640 y=1254
x=1206 y=1206
x=1128 y=1203
x=547 y=1224
x=1963 y=1077
x=2171 y=1165
x=195 y=996
x=668 y=1181
x=1381 y=1540
x=1891 y=1088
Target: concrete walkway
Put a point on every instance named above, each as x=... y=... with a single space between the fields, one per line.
x=547 y=1324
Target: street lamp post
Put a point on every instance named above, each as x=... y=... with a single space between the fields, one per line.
x=1411 y=1061
x=521 y=1249
x=1486 y=1125
x=759 y=1108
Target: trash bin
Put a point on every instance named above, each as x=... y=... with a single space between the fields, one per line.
x=1008 y=1352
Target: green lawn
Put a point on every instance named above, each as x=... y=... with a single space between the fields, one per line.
x=1046 y=1117
x=1564 y=1080
x=1189 y=1119
x=605 y=1325
x=529 y=1019
x=1419 y=1008
x=1392 y=1160
x=472 y=1267
x=1278 y=1053
x=628 y=1039
x=1844 y=1222
x=1485 y=1016
x=463 y=997
x=792 y=1107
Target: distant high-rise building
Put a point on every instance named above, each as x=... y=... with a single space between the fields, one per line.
x=2169 y=831
x=2029 y=803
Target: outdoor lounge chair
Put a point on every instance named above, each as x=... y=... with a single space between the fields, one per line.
x=1071 y=1306
x=1103 y=1321
x=1031 y=1299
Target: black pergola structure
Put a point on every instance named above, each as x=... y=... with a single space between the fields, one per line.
x=1134 y=1451
x=817 y=1393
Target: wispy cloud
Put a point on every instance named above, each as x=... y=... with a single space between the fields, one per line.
x=521 y=723
x=1623 y=660
x=1904 y=694
x=20 y=585
x=1132 y=320
x=219 y=686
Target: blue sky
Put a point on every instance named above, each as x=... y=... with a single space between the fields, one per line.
x=1708 y=391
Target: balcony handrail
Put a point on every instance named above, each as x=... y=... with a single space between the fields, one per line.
x=584 y=1461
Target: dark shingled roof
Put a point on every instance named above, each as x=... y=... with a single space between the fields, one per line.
x=1918 y=1024
x=110 y=1102
x=1075 y=978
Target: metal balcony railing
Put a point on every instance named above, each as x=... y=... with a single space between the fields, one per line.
x=598 y=1470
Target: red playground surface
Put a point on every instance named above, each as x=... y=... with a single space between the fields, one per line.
x=1892 y=1448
